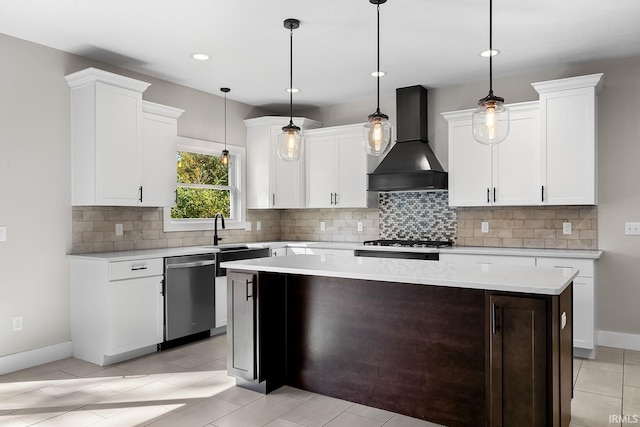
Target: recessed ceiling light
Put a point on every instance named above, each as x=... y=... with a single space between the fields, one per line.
x=200 y=56
x=378 y=73
x=292 y=90
x=487 y=53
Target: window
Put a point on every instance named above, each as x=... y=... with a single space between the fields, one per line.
x=205 y=187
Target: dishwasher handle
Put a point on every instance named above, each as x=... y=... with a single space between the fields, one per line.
x=192 y=264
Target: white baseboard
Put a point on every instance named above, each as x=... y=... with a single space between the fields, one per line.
x=31 y=358
x=619 y=340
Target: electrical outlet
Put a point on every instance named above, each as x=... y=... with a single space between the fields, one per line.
x=359 y=225
x=119 y=230
x=258 y=225
x=484 y=227
x=17 y=323
x=323 y=226
x=632 y=228
x=3 y=233
x=566 y=228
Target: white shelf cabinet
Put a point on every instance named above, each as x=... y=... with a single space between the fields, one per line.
x=337 y=167
x=123 y=148
x=568 y=123
x=506 y=174
x=548 y=158
x=159 y=145
x=272 y=182
x=117 y=308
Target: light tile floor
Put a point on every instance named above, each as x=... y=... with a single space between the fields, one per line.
x=188 y=387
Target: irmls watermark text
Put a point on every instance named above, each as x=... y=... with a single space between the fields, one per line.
x=624 y=419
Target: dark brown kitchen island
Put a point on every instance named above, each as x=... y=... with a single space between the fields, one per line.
x=452 y=354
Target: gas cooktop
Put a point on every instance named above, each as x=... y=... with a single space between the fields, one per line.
x=410 y=243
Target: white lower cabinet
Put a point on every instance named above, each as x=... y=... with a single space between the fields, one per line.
x=135 y=314
x=117 y=308
x=221 y=301
x=584 y=290
x=278 y=252
x=584 y=303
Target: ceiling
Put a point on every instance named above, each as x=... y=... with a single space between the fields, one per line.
x=430 y=42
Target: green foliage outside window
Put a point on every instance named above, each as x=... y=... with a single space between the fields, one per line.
x=201 y=201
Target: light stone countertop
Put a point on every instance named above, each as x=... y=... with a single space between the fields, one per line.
x=190 y=250
x=535 y=280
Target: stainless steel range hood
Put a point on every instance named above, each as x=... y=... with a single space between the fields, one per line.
x=411 y=165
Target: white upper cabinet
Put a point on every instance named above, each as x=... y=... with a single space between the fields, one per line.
x=506 y=174
x=272 y=182
x=568 y=115
x=548 y=158
x=159 y=141
x=337 y=167
x=119 y=153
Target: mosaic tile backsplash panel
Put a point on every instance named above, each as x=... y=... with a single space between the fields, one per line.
x=417 y=216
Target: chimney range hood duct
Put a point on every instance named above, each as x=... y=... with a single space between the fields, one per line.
x=411 y=165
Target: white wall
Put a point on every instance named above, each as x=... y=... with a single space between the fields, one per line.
x=618 y=295
x=35 y=180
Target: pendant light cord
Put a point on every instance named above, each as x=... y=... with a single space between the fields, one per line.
x=378 y=65
x=291 y=76
x=490 y=47
x=225 y=120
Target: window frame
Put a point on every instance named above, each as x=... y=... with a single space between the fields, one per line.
x=237 y=198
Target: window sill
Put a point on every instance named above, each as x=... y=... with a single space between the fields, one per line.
x=195 y=225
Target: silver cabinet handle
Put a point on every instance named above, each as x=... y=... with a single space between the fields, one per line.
x=140 y=193
x=488 y=200
x=273 y=199
x=191 y=264
x=138 y=267
x=335 y=197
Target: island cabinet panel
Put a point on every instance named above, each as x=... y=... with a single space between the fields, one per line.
x=417 y=350
x=517 y=361
x=242 y=350
x=256 y=329
x=529 y=359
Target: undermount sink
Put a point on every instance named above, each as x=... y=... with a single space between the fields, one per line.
x=228 y=248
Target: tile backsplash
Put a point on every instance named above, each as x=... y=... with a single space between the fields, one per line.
x=341 y=225
x=529 y=227
x=94 y=230
x=417 y=216
x=410 y=215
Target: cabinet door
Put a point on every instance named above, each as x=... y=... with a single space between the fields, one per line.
x=286 y=177
x=322 y=171
x=118 y=151
x=279 y=252
x=352 y=172
x=517 y=359
x=583 y=312
x=469 y=167
x=135 y=314
x=221 y=301
x=258 y=159
x=516 y=161
x=241 y=327
x=568 y=123
x=159 y=179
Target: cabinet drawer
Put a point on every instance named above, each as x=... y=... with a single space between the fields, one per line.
x=586 y=266
x=136 y=268
x=489 y=259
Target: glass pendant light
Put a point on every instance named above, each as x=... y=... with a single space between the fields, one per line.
x=290 y=140
x=376 y=135
x=490 y=123
x=225 y=153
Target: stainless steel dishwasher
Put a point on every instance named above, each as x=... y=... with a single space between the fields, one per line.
x=189 y=295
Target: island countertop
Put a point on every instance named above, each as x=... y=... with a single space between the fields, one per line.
x=521 y=279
